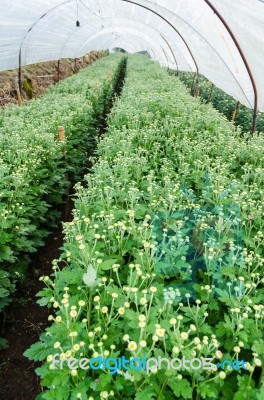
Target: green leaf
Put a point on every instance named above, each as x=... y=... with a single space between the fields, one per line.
x=208 y=390
x=107 y=265
x=258 y=347
x=181 y=388
x=146 y=394
x=37 y=352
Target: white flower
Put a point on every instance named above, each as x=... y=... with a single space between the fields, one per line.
x=184 y=335
x=143 y=301
x=73 y=313
x=160 y=332
x=175 y=350
x=222 y=375
x=132 y=346
x=218 y=354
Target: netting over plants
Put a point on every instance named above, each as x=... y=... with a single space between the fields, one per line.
x=222 y=40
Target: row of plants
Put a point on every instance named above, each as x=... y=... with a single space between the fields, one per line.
x=223 y=102
x=163 y=257
x=36 y=168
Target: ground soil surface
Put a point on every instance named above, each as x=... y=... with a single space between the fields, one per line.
x=38 y=77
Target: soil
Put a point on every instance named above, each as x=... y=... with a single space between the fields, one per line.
x=26 y=319
x=38 y=77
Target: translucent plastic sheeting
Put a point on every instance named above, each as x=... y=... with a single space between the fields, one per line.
x=180 y=34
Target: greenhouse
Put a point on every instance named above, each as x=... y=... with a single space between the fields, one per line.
x=131 y=199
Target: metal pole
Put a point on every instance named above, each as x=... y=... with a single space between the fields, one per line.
x=255 y=111
x=20 y=72
x=173 y=55
x=18 y=83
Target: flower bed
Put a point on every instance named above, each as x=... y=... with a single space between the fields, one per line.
x=223 y=102
x=36 y=168
x=163 y=256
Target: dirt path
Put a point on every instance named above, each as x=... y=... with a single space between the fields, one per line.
x=27 y=320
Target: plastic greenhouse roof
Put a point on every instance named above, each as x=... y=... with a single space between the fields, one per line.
x=221 y=39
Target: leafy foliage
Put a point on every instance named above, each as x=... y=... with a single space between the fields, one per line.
x=164 y=153
x=36 y=168
x=223 y=102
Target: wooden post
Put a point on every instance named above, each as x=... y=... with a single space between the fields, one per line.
x=236 y=111
x=61 y=133
x=192 y=85
x=19 y=97
x=211 y=92
x=58 y=70
x=197 y=91
x=75 y=65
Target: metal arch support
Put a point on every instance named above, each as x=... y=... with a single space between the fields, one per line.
x=35 y=23
x=212 y=49
x=127 y=1
x=70 y=1
x=137 y=35
x=219 y=15
x=150 y=27
x=175 y=30
x=172 y=52
x=197 y=77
